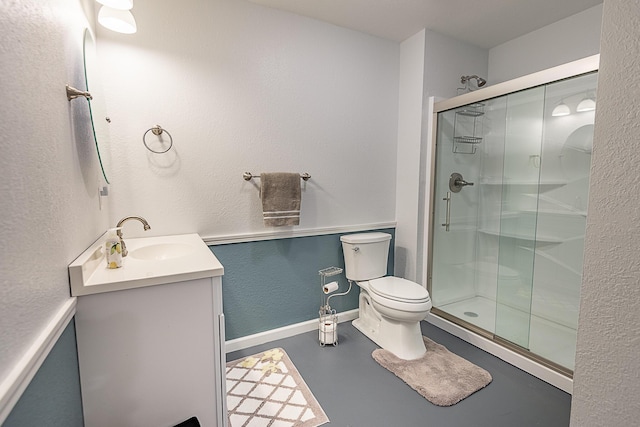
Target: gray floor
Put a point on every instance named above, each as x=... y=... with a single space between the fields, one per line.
x=355 y=391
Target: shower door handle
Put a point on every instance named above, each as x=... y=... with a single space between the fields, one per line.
x=448 y=214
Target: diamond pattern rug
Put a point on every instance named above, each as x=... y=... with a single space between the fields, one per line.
x=266 y=390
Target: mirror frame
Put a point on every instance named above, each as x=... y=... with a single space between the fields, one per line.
x=88 y=36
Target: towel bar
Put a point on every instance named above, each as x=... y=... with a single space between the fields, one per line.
x=248 y=176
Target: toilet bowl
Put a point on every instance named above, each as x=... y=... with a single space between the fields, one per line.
x=390 y=308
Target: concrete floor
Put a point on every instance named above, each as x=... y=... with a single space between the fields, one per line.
x=355 y=391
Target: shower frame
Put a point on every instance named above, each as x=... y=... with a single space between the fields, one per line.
x=486 y=340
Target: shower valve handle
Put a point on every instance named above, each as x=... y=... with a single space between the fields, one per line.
x=456 y=182
x=462 y=183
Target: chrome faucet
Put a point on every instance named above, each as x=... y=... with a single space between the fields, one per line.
x=144 y=222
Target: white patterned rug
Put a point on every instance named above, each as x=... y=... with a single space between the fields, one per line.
x=266 y=390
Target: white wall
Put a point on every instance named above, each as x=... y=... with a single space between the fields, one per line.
x=606 y=383
x=446 y=60
x=242 y=88
x=408 y=163
x=48 y=168
x=575 y=37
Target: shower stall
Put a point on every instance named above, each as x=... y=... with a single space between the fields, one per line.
x=508 y=203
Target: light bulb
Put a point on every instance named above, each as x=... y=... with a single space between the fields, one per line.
x=120 y=21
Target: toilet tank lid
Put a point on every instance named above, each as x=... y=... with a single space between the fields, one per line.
x=365 y=238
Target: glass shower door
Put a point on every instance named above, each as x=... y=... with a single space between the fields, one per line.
x=518 y=216
x=562 y=215
x=484 y=234
x=506 y=257
x=467 y=146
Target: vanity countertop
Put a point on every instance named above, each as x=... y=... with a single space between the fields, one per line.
x=151 y=261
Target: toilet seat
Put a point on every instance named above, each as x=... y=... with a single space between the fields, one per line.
x=399 y=294
x=398 y=289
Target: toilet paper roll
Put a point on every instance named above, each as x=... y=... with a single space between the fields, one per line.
x=327 y=333
x=330 y=287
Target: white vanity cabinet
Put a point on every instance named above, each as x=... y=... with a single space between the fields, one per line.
x=153 y=355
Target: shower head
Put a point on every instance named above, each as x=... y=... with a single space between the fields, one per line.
x=479 y=80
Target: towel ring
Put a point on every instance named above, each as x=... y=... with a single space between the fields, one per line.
x=157 y=130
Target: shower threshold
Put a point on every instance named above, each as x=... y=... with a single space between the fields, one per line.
x=553 y=365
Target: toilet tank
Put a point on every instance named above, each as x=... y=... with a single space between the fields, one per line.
x=365 y=255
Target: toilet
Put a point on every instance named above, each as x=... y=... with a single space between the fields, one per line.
x=391 y=308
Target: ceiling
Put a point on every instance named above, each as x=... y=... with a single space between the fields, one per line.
x=484 y=23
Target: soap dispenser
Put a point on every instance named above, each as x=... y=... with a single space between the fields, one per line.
x=113 y=249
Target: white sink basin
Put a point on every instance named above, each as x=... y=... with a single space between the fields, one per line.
x=151 y=261
x=162 y=251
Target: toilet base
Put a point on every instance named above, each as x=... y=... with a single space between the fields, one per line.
x=409 y=348
x=402 y=339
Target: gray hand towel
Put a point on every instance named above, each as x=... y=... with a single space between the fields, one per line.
x=280 y=193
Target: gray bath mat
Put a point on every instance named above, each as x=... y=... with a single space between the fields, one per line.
x=441 y=377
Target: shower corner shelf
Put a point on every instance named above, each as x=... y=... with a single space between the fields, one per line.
x=465 y=144
x=471 y=110
x=467 y=139
x=468 y=124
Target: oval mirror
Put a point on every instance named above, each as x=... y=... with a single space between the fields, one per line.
x=97 y=106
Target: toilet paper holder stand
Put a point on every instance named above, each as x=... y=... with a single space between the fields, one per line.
x=327 y=317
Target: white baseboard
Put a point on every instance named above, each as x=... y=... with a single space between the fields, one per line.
x=284 y=332
x=23 y=372
x=534 y=368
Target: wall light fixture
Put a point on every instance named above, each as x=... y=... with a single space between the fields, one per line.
x=587 y=104
x=561 y=109
x=116 y=16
